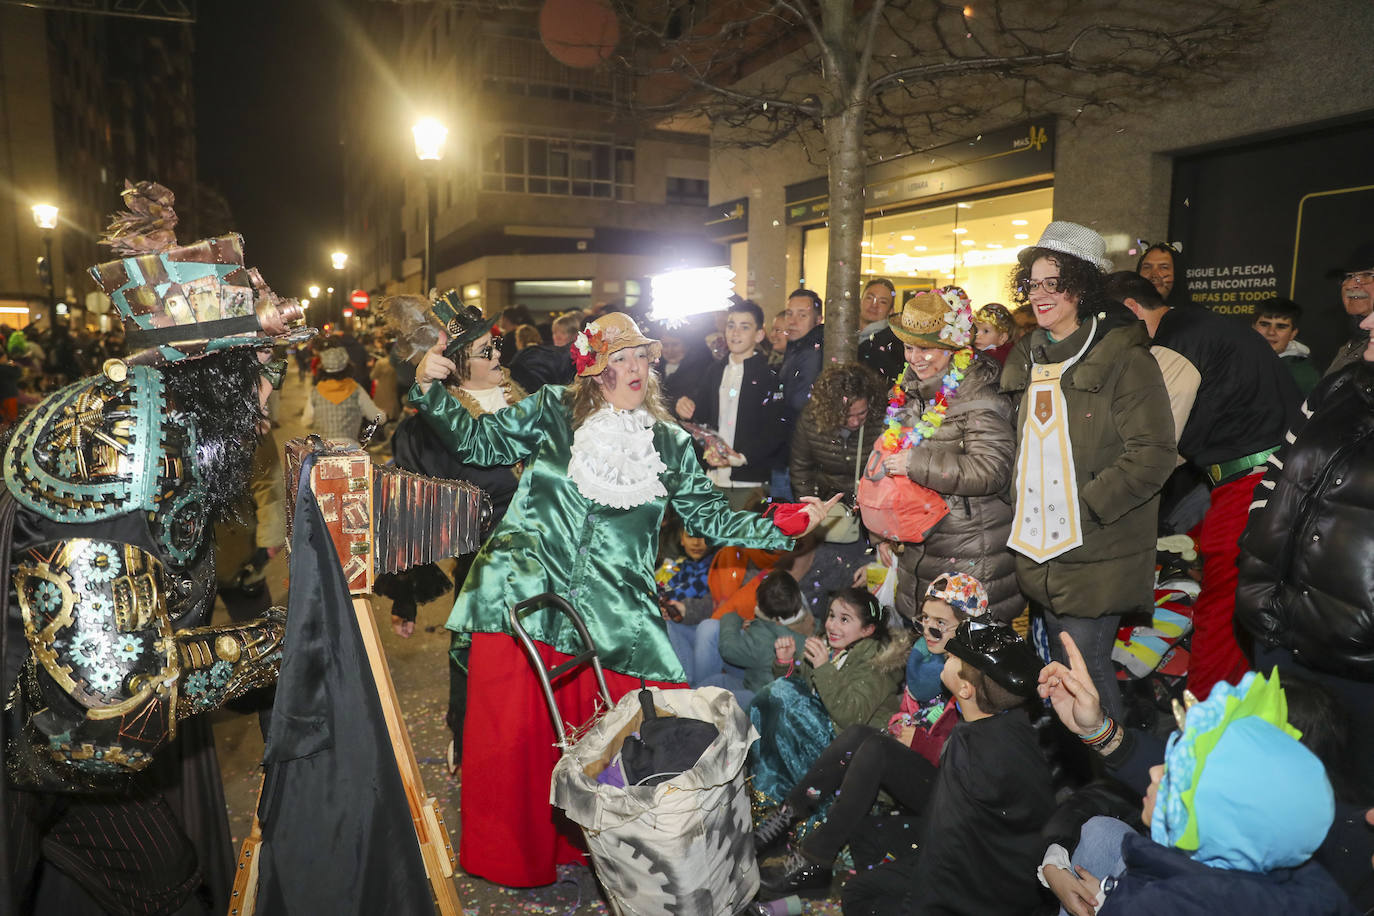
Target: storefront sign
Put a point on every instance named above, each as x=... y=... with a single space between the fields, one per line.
x=728 y=219
x=1259 y=220
x=1013 y=153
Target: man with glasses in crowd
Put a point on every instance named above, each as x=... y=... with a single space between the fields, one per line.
x=1357 y=296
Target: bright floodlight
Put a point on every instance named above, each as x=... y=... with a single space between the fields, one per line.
x=45 y=216
x=339 y=259
x=429 y=139
x=314 y=291
x=679 y=294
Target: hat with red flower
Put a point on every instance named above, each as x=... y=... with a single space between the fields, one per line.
x=604 y=336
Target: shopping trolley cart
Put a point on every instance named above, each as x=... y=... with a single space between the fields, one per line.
x=683 y=847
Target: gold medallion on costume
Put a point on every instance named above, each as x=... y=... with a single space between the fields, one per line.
x=1047 y=521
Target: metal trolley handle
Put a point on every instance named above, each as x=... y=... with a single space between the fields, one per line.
x=547 y=676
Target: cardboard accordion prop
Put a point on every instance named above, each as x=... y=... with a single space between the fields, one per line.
x=383 y=519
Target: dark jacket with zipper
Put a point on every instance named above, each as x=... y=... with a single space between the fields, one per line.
x=800 y=365
x=1246 y=398
x=1307 y=556
x=1122 y=433
x=822 y=462
x=761 y=430
x=1163 y=880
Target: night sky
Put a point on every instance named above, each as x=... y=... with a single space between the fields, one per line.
x=267 y=118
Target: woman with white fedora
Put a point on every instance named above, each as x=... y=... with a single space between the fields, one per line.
x=1095 y=442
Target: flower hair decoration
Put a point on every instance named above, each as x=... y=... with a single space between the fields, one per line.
x=958 y=328
x=585 y=347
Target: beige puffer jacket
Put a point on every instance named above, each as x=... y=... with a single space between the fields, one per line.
x=968 y=461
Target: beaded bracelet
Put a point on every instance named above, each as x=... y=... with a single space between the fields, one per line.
x=1112 y=743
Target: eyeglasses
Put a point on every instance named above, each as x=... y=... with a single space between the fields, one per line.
x=1360 y=276
x=487 y=351
x=275 y=372
x=1049 y=285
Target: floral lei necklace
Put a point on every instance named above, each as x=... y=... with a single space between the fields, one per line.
x=898 y=437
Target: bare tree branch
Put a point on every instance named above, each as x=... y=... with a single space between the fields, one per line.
x=853 y=78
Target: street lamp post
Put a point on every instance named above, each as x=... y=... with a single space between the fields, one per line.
x=45 y=218
x=429 y=149
x=340 y=261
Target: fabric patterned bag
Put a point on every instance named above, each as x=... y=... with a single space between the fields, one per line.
x=683 y=847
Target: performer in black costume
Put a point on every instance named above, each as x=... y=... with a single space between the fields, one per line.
x=482 y=386
x=114 y=483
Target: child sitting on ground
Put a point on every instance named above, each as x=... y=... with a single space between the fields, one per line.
x=854 y=666
x=684 y=598
x=981 y=810
x=926 y=717
x=851 y=676
x=684 y=594
x=748 y=645
x=1235 y=814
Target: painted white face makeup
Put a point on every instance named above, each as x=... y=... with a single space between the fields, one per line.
x=625 y=380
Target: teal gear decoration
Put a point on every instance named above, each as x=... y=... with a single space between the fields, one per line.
x=96 y=562
x=100 y=448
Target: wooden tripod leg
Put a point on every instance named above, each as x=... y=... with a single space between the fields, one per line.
x=243 y=900
x=435 y=847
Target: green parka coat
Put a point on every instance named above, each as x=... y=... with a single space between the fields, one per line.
x=1123 y=449
x=866 y=688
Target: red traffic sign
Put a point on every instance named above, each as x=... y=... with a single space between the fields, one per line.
x=359 y=299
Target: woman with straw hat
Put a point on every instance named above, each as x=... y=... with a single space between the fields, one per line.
x=949 y=429
x=603 y=463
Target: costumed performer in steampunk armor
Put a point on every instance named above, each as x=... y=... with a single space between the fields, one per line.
x=113 y=485
x=603 y=462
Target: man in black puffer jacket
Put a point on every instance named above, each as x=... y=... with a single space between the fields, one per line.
x=1306 y=588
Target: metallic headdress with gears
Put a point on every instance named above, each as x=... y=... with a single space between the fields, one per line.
x=180 y=302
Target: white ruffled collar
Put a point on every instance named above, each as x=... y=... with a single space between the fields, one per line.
x=614 y=461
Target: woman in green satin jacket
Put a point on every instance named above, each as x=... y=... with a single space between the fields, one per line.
x=602 y=465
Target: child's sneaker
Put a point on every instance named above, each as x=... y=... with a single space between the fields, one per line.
x=773 y=828
x=798 y=875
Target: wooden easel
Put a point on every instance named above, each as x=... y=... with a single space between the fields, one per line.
x=430 y=831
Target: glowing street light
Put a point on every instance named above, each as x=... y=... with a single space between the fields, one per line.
x=679 y=294
x=339 y=259
x=305 y=303
x=429 y=139
x=45 y=216
x=314 y=291
x=429 y=148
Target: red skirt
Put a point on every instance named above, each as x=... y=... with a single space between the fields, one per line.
x=510 y=834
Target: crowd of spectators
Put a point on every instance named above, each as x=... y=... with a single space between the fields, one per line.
x=1065 y=439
